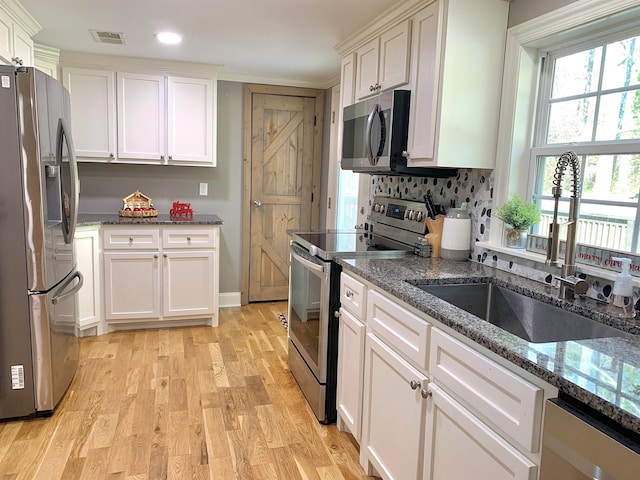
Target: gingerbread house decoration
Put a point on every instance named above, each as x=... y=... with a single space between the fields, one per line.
x=137 y=205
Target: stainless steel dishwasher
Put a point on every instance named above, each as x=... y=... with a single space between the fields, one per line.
x=575 y=446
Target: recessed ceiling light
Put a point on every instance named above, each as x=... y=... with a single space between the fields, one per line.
x=169 y=38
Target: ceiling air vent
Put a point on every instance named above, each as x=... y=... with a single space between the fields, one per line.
x=110 y=38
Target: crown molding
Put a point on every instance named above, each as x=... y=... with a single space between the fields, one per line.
x=46 y=54
x=387 y=19
x=138 y=65
x=21 y=16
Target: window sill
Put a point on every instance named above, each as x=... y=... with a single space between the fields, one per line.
x=607 y=275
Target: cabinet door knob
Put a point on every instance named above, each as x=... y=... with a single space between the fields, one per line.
x=162 y=157
x=17 y=60
x=155 y=255
x=170 y=157
x=415 y=384
x=164 y=255
x=349 y=294
x=406 y=154
x=111 y=155
x=337 y=314
x=130 y=239
x=257 y=203
x=425 y=393
x=372 y=88
x=188 y=239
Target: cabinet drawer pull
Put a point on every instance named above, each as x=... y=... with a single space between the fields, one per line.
x=130 y=239
x=415 y=384
x=188 y=239
x=425 y=393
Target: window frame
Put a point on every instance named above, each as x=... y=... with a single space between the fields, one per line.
x=514 y=170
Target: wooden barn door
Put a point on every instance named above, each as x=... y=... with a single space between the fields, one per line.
x=284 y=184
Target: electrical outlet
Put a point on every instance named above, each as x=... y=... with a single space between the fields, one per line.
x=204 y=189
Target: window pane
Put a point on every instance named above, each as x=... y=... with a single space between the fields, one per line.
x=547 y=168
x=571 y=121
x=621 y=67
x=612 y=177
x=347 y=208
x=606 y=226
x=619 y=116
x=577 y=74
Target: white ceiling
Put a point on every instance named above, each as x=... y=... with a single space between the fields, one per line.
x=289 y=39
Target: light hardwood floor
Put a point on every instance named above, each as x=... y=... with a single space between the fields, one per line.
x=184 y=403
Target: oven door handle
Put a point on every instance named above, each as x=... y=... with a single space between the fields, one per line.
x=310 y=265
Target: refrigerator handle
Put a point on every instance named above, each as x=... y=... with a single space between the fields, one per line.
x=64 y=134
x=61 y=294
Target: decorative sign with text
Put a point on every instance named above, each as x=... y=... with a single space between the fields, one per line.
x=587 y=254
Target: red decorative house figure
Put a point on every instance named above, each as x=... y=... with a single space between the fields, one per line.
x=181 y=211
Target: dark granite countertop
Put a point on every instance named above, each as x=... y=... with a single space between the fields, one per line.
x=602 y=373
x=88 y=219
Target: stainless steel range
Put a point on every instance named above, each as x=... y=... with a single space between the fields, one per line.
x=393 y=229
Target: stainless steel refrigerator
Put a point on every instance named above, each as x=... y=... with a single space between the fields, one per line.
x=39 y=282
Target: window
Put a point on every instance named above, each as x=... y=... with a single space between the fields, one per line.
x=579 y=95
x=590 y=103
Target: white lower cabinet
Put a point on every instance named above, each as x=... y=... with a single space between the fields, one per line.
x=132 y=285
x=87 y=246
x=163 y=275
x=458 y=446
x=188 y=285
x=393 y=414
x=433 y=407
x=350 y=365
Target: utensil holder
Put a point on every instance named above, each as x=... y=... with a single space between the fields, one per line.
x=434 y=237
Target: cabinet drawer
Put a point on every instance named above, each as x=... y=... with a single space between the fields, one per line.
x=500 y=397
x=131 y=238
x=352 y=295
x=189 y=237
x=399 y=328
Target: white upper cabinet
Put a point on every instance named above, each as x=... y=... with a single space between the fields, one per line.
x=93 y=113
x=347 y=80
x=190 y=120
x=383 y=63
x=124 y=117
x=456 y=78
x=6 y=37
x=141 y=117
x=165 y=120
x=16 y=29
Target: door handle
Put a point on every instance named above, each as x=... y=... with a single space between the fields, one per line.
x=257 y=203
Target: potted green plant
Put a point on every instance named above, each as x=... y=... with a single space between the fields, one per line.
x=518 y=217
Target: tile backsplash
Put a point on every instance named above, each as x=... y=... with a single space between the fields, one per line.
x=475 y=187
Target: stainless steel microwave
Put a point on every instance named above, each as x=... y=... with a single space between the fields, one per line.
x=374 y=137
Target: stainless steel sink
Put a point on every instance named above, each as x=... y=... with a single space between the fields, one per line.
x=525 y=317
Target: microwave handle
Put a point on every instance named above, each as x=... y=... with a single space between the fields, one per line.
x=374 y=111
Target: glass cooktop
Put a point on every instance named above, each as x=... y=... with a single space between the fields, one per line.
x=327 y=244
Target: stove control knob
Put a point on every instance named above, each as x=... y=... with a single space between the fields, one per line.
x=376 y=207
x=411 y=214
x=381 y=208
x=419 y=216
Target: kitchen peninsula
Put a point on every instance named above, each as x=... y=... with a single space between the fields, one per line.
x=147 y=272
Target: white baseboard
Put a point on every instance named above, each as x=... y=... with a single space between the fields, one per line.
x=230 y=299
